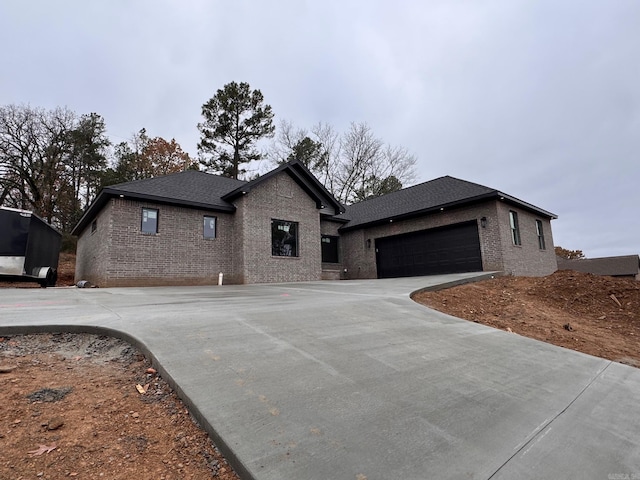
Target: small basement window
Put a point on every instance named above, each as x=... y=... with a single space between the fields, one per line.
x=284 y=238
x=149 y=220
x=209 y=229
x=540 y=234
x=515 y=228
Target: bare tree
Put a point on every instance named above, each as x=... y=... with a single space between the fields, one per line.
x=49 y=161
x=284 y=142
x=33 y=147
x=328 y=174
x=361 y=151
x=353 y=166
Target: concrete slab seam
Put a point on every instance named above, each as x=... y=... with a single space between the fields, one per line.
x=541 y=430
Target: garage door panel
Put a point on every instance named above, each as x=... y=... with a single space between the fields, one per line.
x=452 y=249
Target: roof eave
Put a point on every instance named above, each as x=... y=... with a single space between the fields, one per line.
x=526 y=205
x=421 y=212
x=232 y=195
x=446 y=206
x=95 y=206
x=314 y=189
x=336 y=218
x=108 y=193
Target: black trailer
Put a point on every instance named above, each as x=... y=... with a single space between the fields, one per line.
x=29 y=248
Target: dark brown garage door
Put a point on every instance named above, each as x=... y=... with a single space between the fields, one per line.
x=451 y=249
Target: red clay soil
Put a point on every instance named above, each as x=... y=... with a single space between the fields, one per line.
x=66 y=269
x=86 y=406
x=588 y=313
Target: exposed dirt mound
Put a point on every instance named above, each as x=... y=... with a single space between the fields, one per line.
x=589 y=313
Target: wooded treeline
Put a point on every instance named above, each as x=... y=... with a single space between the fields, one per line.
x=353 y=165
x=54 y=162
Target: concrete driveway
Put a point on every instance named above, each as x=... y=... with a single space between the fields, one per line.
x=352 y=380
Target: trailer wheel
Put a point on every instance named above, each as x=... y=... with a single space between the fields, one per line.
x=53 y=278
x=50 y=279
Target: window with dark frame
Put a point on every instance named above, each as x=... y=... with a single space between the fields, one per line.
x=149 y=220
x=284 y=238
x=209 y=228
x=515 y=228
x=540 y=233
x=330 y=249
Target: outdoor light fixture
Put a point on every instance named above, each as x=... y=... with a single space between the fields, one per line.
x=368 y=243
x=483 y=222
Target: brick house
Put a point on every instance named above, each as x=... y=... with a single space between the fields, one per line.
x=624 y=266
x=187 y=228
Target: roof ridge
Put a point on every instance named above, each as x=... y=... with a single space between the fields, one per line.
x=172 y=174
x=471 y=183
x=632 y=255
x=410 y=187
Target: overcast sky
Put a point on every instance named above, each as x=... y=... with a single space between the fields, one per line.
x=539 y=99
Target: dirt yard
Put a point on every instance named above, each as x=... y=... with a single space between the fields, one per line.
x=84 y=406
x=588 y=313
x=72 y=408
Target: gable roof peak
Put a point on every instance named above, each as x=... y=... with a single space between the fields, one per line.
x=302 y=176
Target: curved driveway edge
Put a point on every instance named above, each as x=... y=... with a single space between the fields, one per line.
x=353 y=380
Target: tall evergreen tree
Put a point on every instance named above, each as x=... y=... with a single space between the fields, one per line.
x=234 y=120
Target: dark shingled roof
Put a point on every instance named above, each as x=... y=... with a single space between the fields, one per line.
x=190 y=187
x=210 y=192
x=625 y=265
x=443 y=192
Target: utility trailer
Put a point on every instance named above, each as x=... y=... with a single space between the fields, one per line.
x=29 y=248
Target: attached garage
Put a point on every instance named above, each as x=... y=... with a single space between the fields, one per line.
x=450 y=249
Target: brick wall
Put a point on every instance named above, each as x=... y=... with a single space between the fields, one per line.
x=119 y=254
x=329 y=227
x=237 y=248
x=497 y=254
x=177 y=255
x=278 y=198
x=526 y=259
x=92 y=252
